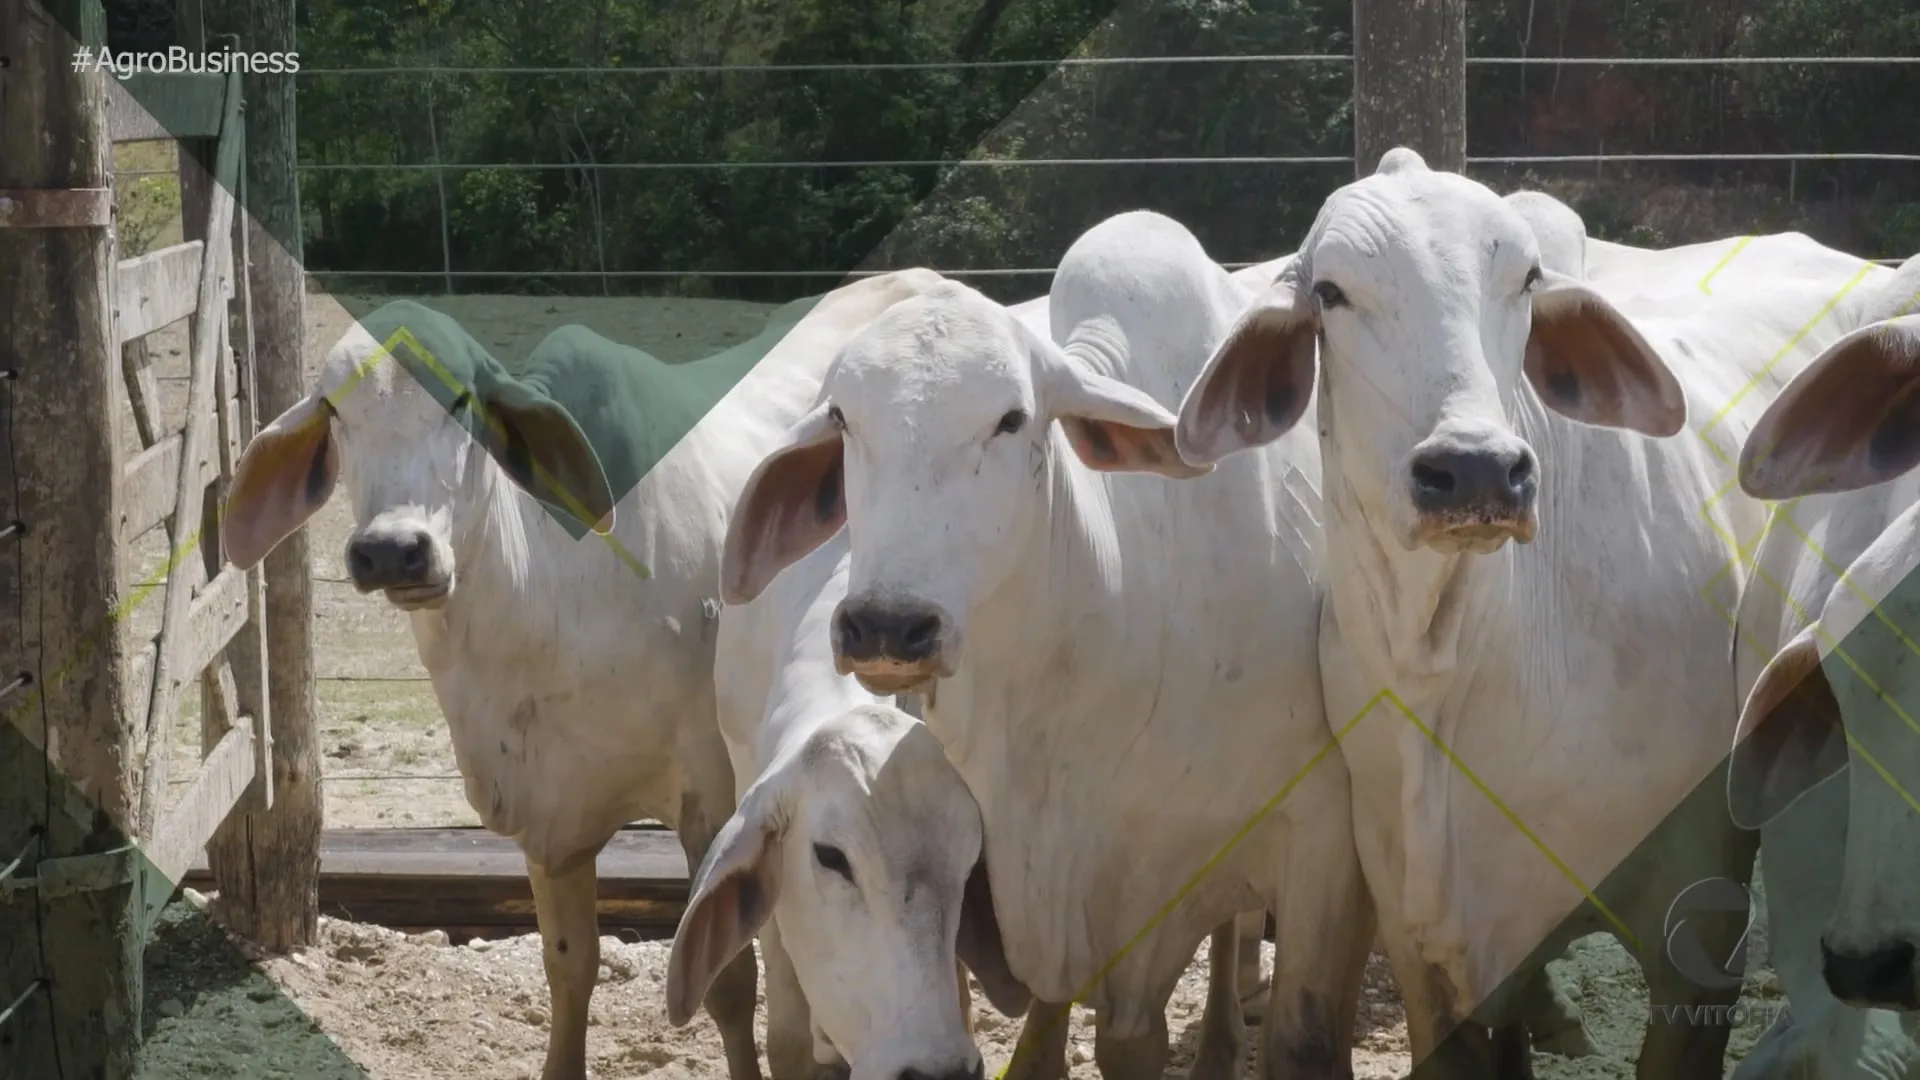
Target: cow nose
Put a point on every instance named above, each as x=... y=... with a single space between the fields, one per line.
x=905 y=636
x=1497 y=478
x=1882 y=977
x=977 y=1072
x=389 y=559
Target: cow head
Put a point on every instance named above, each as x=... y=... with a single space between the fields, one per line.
x=1844 y=694
x=865 y=847
x=1427 y=299
x=421 y=423
x=935 y=442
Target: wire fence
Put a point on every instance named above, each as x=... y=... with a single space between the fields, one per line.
x=448 y=273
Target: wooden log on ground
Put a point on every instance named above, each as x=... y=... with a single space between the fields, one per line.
x=473 y=883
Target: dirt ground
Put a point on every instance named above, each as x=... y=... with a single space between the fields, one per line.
x=368 y=1001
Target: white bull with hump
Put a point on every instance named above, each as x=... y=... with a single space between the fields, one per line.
x=1839 y=443
x=579 y=696
x=1121 y=667
x=1525 y=555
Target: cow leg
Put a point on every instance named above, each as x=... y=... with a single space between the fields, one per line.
x=1252 y=983
x=1142 y=1057
x=1325 y=924
x=731 y=998
x=1696 y=842
x=1223 y=1036
x=1041 y=1052
x=1674 y=1045
x=1552 y=1018
x=565 y=903
x=790 y=1043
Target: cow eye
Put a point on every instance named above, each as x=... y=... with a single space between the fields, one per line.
x=1329 y=294
x=833 y=859
x=836 y=418
x=1534 y=277
x=1012 y=422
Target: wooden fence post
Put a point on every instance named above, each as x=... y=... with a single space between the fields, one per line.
x=283 y=847
x=71 y=927
x=1410 y=81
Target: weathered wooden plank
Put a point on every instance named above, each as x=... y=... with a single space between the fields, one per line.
x=209 y=336
x=215 y=616
x=182 y=833
x=219 y=710
x=472 y=883
x=143 y=391
x=148 y=489
x=157 y=289
x=151 y=106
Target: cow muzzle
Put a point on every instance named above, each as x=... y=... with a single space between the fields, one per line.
x=893 y=648
x=1879 y=978
x=406 y=563
x=1472 y=500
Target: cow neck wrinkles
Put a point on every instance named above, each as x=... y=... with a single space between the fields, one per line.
x=1411 y=616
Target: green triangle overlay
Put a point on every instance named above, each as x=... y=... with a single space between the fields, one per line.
x=630 y=407
x=1871 y=655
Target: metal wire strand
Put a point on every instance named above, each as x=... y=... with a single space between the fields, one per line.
x=37 y=984
x=33 y=840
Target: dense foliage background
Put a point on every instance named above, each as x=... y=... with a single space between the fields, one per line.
x=572 y=217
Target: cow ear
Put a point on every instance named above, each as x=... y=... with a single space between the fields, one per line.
x=980 y=949
x=546 y=453
x=1849 y=420
x=1112 y=427
x=1789 y=739
x=283 y=479
x=1588 y=363
x=1256 y=385
x=794 y=502
x=733 y=893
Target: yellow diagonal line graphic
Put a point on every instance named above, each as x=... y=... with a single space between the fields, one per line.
x=1514 y=820
x=1784 y=349
x=1744 y=241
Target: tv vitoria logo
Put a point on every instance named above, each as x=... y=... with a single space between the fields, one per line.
x=1689 y=956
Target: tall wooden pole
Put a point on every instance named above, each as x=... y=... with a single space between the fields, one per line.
x=71 y=931
x=1410 y=81
x=278 y=910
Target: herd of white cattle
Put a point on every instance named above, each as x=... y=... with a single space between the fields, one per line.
x=1411 y=588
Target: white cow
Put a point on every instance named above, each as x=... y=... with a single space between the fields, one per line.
x=1844 y=917
x=1122 y=668
x=1242 y=940
x=855 y=834
x=578 y=695
x=1468 y=397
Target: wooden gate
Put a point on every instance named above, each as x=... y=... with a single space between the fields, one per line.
x=212 y=615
